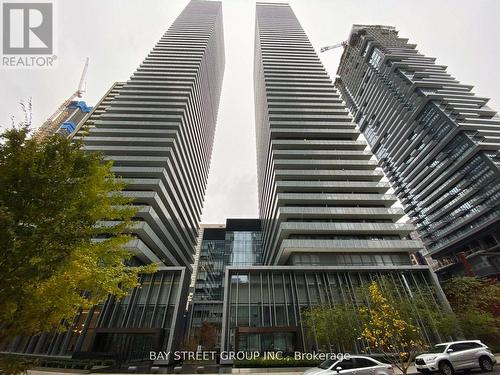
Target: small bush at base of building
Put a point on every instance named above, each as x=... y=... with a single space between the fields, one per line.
x=283 y=362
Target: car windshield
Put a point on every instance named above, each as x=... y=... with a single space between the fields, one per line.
x=437 y=349
x=327 y=364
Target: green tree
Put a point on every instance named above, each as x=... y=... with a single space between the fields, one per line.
x=476 y=303
x=62 y=225
x=386 y=330
x=335 y=326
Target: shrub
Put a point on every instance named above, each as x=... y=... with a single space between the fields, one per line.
x=262 y=362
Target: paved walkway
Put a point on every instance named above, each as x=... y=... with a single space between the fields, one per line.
x=411 y=371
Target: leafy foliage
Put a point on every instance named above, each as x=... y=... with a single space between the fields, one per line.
x=55 y=201
x=333 y=325
x=16 y=364
x=208 y=335
x=338 y=327
x=261 y=362
x=476 y=303
x=386 y=330
x=189 y=343
x=422 y=308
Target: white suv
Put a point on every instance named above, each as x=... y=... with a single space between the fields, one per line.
x=354 y=365
x=456 y=355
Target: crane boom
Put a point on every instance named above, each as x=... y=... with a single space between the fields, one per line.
x=327 y=48
x=82 y=86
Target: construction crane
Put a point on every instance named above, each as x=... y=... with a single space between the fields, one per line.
x=51 y=125
x=327 y=48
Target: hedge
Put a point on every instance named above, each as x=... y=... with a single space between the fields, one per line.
x=284 y=362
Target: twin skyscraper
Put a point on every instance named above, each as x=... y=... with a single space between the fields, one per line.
x=327 y=217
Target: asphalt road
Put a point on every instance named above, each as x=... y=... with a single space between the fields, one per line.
x=496 y=371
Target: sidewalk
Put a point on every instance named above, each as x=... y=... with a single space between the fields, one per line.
x=246 y=371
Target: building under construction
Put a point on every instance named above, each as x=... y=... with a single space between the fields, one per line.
x=70 y=115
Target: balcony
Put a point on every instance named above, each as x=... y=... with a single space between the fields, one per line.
x=445 y=262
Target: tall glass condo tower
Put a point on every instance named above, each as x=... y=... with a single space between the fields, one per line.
x=437 y=141
x=158 y=129
x=328 y=225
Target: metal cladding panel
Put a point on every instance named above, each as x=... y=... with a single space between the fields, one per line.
x=308 y=153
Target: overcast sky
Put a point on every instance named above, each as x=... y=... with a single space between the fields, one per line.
x=117 y=35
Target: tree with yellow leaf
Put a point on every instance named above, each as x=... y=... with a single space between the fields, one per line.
x=386 y=331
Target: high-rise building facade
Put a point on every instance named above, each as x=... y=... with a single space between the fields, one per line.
x=158 y=129
x=77 y=113
x=328 y=223
x=66 y=121
x=437 y=142
x=319 y=188
x=237 y=243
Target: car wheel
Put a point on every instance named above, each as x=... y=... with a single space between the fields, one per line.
x=486 y=364
x=445 y=368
